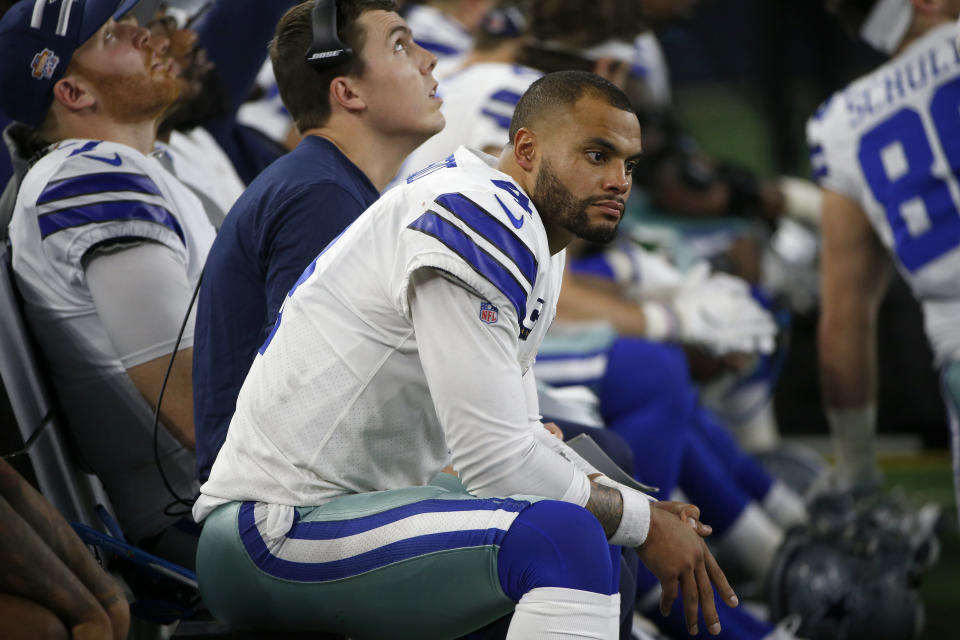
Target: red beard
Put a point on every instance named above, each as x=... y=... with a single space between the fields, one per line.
x=134 y=98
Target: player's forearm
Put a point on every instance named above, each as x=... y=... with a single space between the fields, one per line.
x=624 y=513
x=853 y=269
x=580 y=301
x=606 y=504
x=176 y=409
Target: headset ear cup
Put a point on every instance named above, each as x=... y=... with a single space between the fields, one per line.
x=326 y=50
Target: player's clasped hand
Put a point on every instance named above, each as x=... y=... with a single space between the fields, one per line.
x=678 y=556
x=688 y=513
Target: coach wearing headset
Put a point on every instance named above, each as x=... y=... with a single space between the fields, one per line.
x=362 y=105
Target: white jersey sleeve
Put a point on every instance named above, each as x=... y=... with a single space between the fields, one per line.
x=82 y=195
x=141 y=294
x=437 y=32
x=483 y=230
x=831 y=145
x=496 y=91
x=86 y=193
x=493 y=449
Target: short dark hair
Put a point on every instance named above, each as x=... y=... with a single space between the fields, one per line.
x=581 y=24
x=564 y=89
x=303 y=89
x=851 y=13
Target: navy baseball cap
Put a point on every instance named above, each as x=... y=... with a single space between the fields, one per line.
x=37 y=40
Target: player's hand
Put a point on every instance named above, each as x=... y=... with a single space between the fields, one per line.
x=554 y=429
x=680 y=560
x=688 y=513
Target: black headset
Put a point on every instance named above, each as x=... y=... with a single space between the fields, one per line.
x=327 y=49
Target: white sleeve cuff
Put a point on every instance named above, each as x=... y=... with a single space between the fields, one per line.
x=578 y=491
x=635 y=521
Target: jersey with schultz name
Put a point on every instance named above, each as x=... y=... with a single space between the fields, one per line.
x=891 y=142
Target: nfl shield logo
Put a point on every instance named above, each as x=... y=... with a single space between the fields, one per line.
x=488 y=313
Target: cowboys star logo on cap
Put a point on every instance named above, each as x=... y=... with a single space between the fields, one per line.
x=44 y=64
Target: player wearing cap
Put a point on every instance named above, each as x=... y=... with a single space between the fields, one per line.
x=107 y=245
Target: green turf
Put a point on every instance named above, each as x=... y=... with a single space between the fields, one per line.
x=928 y=478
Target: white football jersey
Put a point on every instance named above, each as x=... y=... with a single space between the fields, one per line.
x=891 y=141
x=337 y=401
x=81 y=194
x=478 y=104
x=648 y=65
x=651 y=65
x=200 y=162
x=437 y=32
x=267 y=114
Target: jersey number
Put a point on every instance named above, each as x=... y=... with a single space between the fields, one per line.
x=902 y=140
x=519 y=197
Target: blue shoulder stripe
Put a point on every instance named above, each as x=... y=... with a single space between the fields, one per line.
x=482 y=262
x=436 y=47
x=493 y=230
x=113 y=210
x=502 y=121
x=505 y=95
x=97 y=183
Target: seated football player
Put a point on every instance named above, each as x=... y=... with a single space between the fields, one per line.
x=407 y=345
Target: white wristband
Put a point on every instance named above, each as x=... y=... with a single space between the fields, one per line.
x=660 y=323
x=635 y=521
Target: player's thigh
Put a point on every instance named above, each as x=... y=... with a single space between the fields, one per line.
x=410 y=563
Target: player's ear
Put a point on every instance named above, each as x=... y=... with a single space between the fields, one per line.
x=343 y=92
x=74 y=93
x=525 y=148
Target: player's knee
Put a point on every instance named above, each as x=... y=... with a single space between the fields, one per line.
x=554 y=544
x=664 y=374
